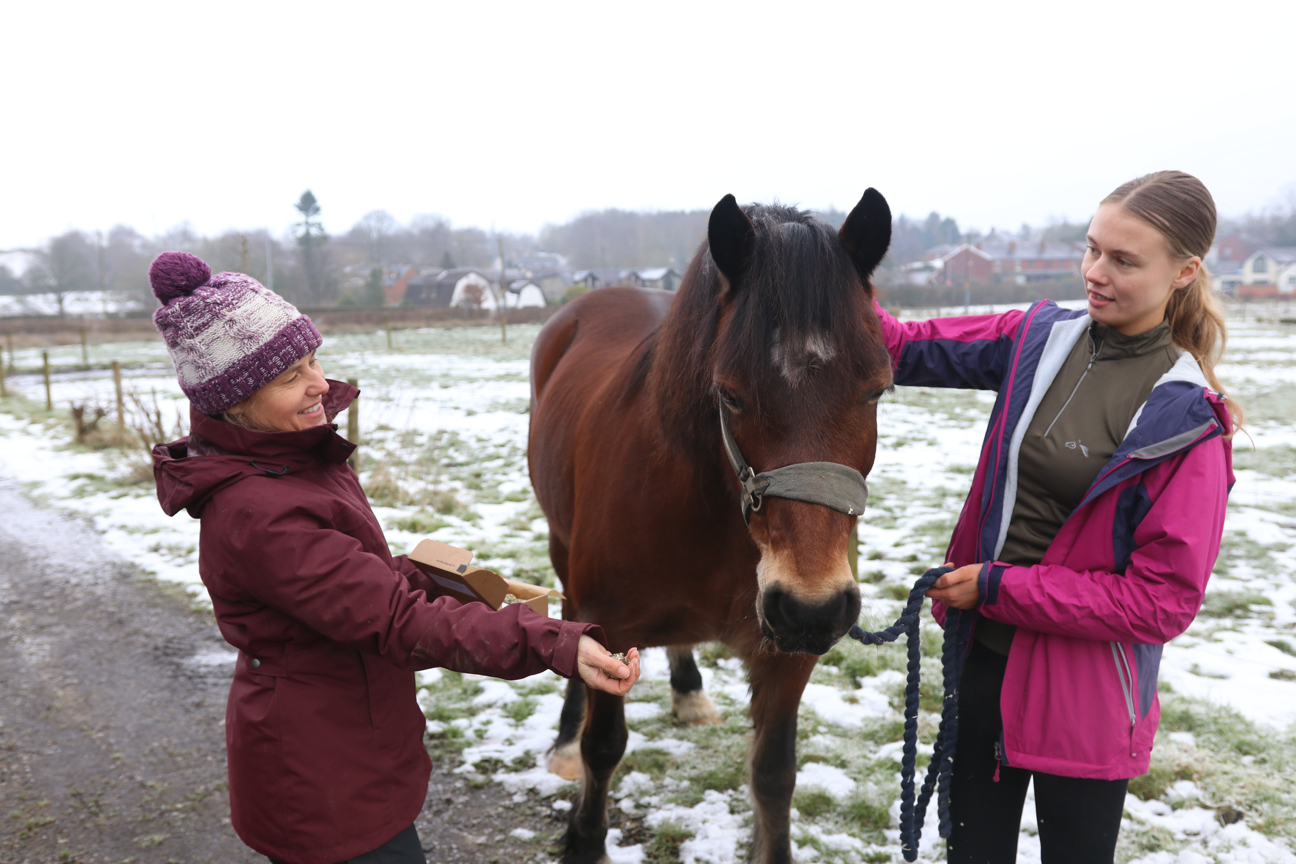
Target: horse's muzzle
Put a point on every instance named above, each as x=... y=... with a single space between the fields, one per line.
x=800 y=627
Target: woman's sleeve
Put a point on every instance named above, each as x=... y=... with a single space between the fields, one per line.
x=1160 y=592
x=971 y=351
x=324 y=578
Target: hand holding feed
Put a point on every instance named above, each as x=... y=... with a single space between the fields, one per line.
x=958 y=588
x=603 y=671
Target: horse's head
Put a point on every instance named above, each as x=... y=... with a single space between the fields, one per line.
x=797 y=368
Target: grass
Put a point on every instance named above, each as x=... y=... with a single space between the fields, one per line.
x=664 y=847
x=1233 y=604
x=444 y=481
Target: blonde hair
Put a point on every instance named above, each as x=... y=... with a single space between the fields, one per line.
x=238 y=415
x=1182 y=209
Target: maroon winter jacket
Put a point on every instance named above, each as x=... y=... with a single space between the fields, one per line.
x=325 y=738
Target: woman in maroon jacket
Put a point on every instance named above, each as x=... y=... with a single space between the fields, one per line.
x=325 y=737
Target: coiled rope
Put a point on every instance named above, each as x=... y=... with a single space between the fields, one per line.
x=953 y=653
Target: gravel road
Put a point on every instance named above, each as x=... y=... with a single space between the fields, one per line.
x=112 y=705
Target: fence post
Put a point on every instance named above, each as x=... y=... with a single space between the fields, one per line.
x=85 y=350
x=387 y=324
x=3 y=391
x=353 y=423
x=121 y=412
x=49 y=397
x=9 y=342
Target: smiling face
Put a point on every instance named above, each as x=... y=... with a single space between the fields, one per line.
x=289 y=403
x=1130 y=271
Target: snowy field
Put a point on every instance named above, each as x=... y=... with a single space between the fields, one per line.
x=92 y=304
x=443 y=421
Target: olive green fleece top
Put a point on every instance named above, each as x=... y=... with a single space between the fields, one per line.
x=1076 y=429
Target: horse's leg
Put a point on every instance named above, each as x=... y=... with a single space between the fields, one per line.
x=777 y=680
x=688 y=701
x=566 y=761
x=603 y=742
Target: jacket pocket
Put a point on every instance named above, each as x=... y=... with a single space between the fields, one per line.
x=381 y=686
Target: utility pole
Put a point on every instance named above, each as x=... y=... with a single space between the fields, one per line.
x=501 y=297
x=269 y=261
x=103 y=298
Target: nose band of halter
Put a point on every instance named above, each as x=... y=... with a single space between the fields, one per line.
x=828 y=483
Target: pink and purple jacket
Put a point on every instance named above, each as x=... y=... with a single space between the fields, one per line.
x=1128 y=570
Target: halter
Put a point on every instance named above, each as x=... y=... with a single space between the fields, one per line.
x=828 y=483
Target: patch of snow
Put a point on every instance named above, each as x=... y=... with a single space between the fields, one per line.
x=831 y=779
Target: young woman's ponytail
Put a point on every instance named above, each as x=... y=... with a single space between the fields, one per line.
x=1180 y=207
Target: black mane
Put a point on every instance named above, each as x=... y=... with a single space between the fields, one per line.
x=799 y=282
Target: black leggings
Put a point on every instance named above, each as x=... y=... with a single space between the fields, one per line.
x=404 y=848
x=1078 y=819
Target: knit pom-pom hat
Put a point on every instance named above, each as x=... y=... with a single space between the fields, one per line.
x=228 y=334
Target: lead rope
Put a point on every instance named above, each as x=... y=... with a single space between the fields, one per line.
x=942 y=762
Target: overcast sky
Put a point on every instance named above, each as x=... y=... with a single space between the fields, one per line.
x=517 y=114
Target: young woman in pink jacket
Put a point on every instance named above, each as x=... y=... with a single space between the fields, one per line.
x=1093 y=522
x=325 y=736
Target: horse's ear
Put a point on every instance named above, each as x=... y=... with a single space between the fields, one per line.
x=731 y=236
x=866 y=233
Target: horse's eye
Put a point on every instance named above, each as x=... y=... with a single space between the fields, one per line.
x=875 y=397
x=732 y=402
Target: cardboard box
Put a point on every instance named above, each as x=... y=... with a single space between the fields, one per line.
x=451 y=568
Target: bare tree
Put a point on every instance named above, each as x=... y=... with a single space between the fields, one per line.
x=377 y=228
x=67 y=263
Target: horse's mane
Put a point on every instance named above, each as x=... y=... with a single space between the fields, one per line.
x=799 y=282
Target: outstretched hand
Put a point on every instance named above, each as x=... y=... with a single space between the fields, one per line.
x=958 y=588
x=600 y=670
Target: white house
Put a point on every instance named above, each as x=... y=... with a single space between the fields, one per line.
x=1271 y=265
x=472 y=290
x=526 y=294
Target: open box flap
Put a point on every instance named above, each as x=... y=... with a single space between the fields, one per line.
x=449 y=566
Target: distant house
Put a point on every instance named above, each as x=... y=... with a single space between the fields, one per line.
x=664 y=278
x=1225 y=262
x=396 y=283
x=526 y=294
x=462 y=286
x=553 y=283
x=1270 y=265
x=966 y=263
x=1035 y=261
x=995 y=258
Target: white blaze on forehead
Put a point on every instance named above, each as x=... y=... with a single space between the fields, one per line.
x=794 y=360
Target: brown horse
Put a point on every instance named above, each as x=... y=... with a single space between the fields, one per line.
x=773 y=324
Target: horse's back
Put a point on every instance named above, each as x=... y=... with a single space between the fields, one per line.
x=604 y=324
x=581 y=356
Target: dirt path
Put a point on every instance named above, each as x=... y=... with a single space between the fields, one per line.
x=112 y=703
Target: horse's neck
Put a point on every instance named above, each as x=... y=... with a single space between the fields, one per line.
x=678 y=395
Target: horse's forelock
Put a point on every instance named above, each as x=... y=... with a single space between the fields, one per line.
x=801 y=292
x=800 y=304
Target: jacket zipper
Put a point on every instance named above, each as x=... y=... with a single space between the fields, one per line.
x=1003 y=421
x=1126 y=681
x=1096 y=351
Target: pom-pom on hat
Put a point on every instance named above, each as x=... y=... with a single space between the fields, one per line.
x=228 y=334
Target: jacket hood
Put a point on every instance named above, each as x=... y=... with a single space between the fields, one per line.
x=217 y=454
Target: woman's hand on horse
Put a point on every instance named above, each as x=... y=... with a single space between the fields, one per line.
x=602 y=671
x=958 y=588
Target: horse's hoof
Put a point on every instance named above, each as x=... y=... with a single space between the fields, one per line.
x=567 y=762
x=695 y=709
